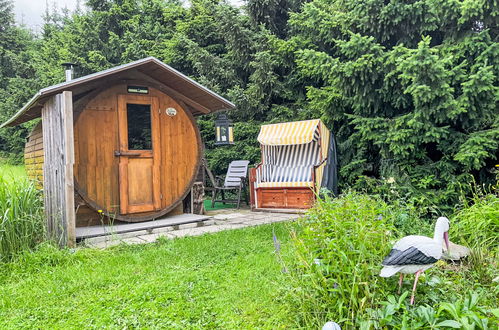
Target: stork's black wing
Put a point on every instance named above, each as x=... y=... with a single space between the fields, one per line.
x=410 y=256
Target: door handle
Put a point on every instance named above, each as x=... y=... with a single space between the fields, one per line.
x=124 y=153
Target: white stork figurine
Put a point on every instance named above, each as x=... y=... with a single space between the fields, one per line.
x=415 y=254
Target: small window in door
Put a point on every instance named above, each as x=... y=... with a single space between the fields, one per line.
x=139 y=126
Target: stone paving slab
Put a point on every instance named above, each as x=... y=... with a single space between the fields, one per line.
x=227 y=219
x=134 y=240
x=225 y=216
x=105 y=244
x=151 y=238
x=162 y=230
x=176 y=220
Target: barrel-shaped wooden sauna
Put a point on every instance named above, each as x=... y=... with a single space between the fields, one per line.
x=133 y=160
x=137 y=148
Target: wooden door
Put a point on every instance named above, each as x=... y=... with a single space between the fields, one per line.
x=139 y=153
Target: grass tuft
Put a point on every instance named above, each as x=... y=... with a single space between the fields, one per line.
x=21 y=214
x=478 y=223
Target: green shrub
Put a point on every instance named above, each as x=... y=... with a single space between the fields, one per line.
x=422 y=201
x=339 y=247
x=21 y=216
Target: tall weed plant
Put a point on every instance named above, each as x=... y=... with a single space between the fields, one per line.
x=21 y=216
x=339 y=247
x=477 y=223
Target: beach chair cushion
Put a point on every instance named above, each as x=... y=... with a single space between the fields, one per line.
x=285 y=176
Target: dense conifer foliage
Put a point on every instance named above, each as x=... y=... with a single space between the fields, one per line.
x=17 y=76
x=410 y=88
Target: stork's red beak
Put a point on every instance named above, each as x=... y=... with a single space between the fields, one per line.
x=446 y=240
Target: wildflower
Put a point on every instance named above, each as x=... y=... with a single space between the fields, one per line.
x=100 y=211
x=380 y=217
x=390 y=180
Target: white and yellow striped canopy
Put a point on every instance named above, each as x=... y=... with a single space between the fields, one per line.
x=291 y=152
x=297 y=132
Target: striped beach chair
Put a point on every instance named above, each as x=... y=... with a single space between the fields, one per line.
x=296 y=157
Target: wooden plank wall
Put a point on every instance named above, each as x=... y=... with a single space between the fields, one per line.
x=33 y=156
x=57 y=119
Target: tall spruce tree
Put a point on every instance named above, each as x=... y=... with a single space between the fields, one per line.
x=410 y=88
x=17 y=75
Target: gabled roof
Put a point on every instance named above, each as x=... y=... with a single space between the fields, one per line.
x=198 y=99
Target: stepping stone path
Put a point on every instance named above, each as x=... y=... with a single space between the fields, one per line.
x=226 y=219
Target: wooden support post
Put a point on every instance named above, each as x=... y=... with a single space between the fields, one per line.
x=58 y=180
x=252 y=180
x=69 y=166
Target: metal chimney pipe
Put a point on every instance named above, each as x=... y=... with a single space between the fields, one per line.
x=69 y=74
x=69 y=70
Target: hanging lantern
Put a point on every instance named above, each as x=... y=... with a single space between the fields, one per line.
x=224 y=130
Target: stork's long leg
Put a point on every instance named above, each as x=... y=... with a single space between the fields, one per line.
x=415 y=284
x=400 y=282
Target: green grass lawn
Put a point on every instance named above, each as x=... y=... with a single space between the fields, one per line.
x=219 y=205
x=230 y=279
x=12 y=171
